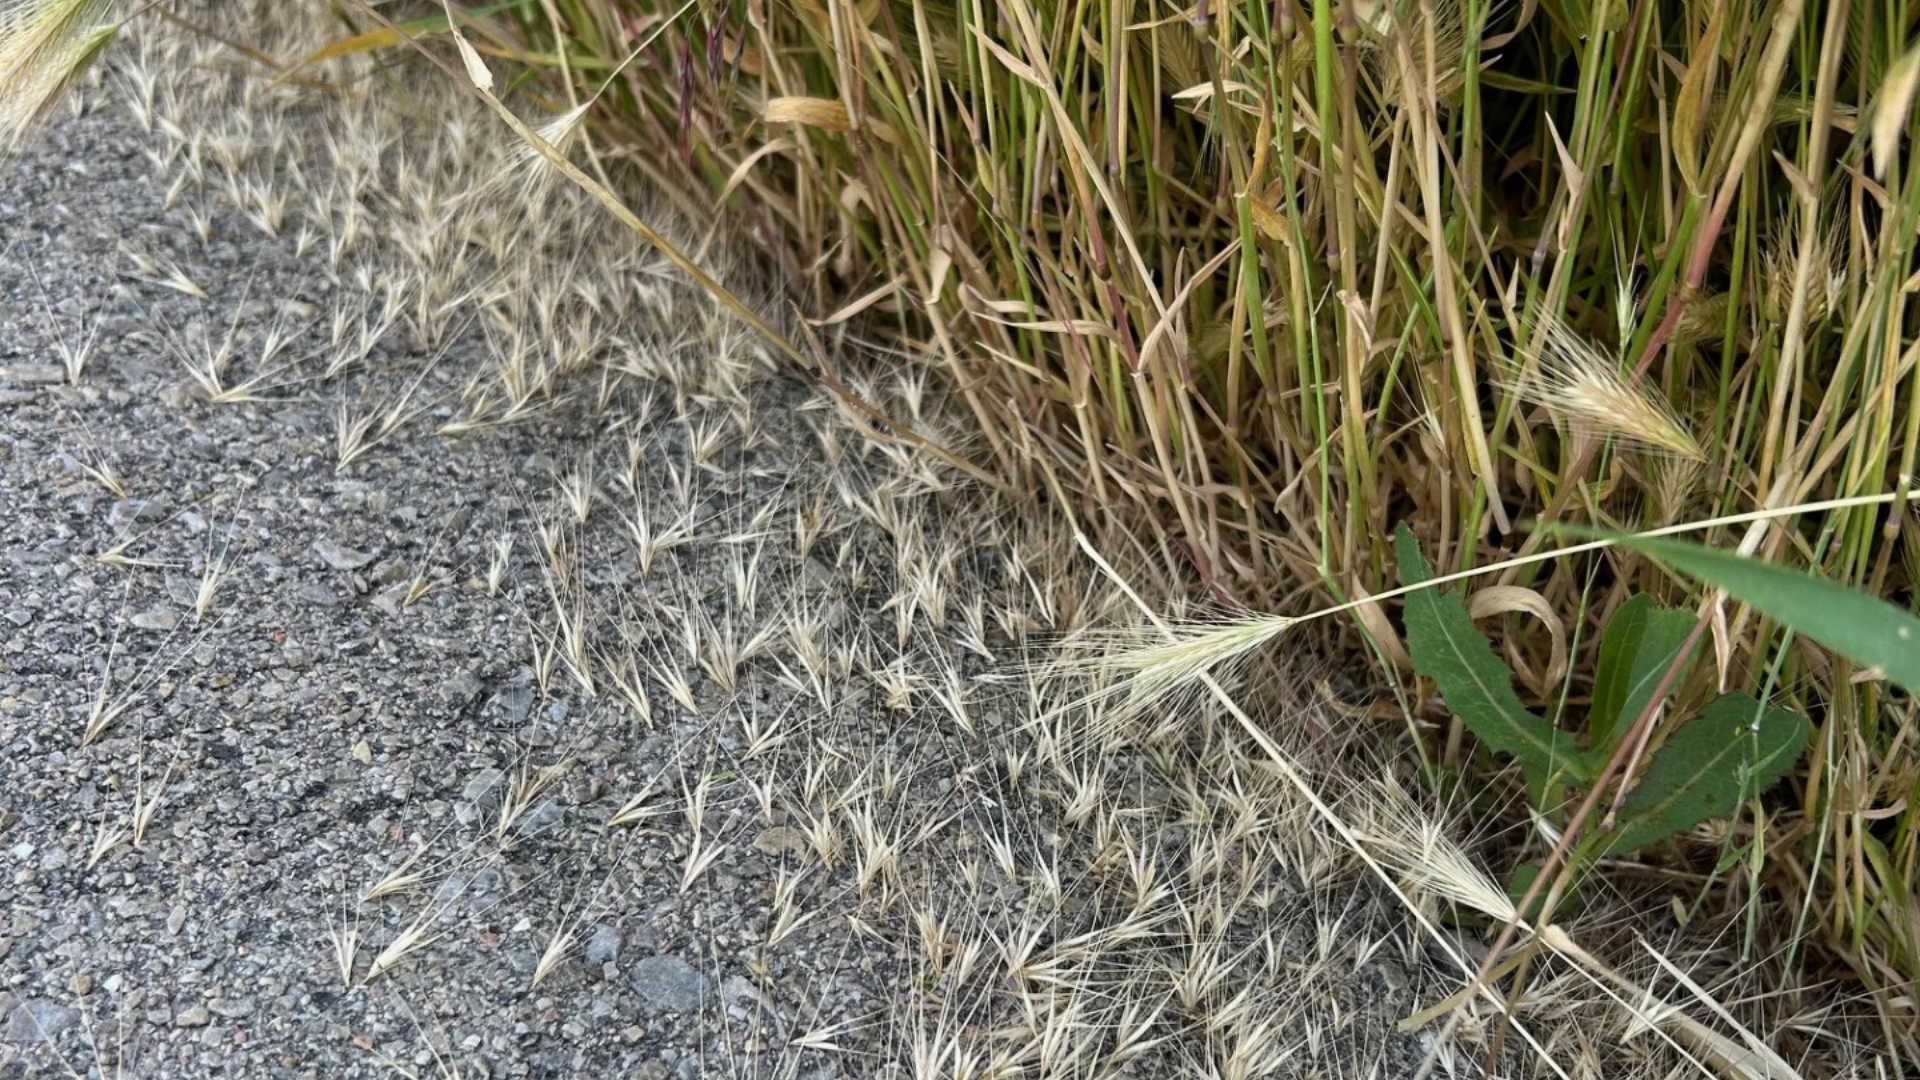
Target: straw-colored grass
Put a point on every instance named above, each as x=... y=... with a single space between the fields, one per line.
x=44 y=45
x=1247 y=285
x=1244 y=286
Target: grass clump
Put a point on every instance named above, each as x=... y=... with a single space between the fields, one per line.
x=1270 y=278
x=1247 y=285
x=44 y=46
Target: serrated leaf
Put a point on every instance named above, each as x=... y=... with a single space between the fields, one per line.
x=1640 y=644
x=1733 y=750
x=1450 y=650
x=1863 y=628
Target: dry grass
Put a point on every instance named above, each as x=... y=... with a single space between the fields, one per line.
x=45 y=45
x=1121 y=324
x=1243 y=287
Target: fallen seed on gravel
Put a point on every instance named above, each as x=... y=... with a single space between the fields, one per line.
x=780 y=840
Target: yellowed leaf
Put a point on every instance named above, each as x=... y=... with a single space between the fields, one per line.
x=740 y=171
x=1690 y=109
x=861 y=303
x=1500 y=599
x=812 y=112
x=1799 y=181
x=377 y=38
x=1267 y=219
x=1576 y=183
x=1380 y=628
x=1890 y=107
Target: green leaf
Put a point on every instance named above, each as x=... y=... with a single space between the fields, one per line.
x=1733 y=750
x=1641 y=642
x=1447 y=648
x=1863 y=628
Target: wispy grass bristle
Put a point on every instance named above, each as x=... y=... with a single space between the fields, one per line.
x=1230 y=290
x=1575 y=382
x=1135 y=670
x=45 y=46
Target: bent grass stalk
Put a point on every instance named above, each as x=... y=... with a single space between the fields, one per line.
x=1193 y=649
x=1159 y=670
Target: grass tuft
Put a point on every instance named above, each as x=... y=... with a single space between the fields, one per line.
x=45 y=46
x=1244 y=287
x=1574 y=382
x=1240 y=288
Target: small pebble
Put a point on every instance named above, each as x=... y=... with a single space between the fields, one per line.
x=158 y=619
x=318 y=595
x=36 y=1019
x=668 y=983
x=340 y=557
x=603 y=944
x=128 y=512
x=35 y=374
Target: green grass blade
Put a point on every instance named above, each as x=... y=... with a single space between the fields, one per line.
x=1863 y=628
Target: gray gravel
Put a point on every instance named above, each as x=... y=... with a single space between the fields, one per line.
x=844 y=850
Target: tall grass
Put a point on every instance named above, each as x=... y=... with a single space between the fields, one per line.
x=1248 y=284
x=1251 y=283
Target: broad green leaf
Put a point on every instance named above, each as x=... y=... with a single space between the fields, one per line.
x=1863 y=628
x=1447 y=648
x=1733 y=750
x=1640 y=644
